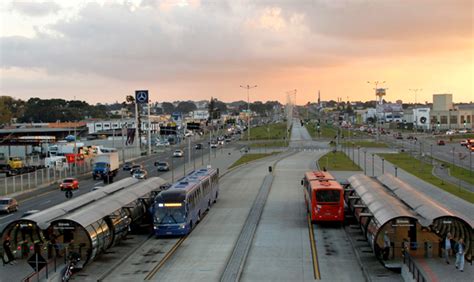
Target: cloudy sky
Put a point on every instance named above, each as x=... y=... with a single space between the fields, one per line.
x=101 y=51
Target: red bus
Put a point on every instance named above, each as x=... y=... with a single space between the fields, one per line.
x=324 y=197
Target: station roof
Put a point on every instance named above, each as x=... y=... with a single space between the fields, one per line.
x=108 y=205
x=44 y=217
x=383 y=206
x=428 y=208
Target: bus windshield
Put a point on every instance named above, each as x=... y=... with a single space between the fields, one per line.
x=170 y=215
x=328 y=196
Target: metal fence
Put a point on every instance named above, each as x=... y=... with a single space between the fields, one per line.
x=417 y=273
x=46 y=176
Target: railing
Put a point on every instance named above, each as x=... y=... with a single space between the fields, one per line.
x=417 y=274
x=53 y=265
x=47 y=176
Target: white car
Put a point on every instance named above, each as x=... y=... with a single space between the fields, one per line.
x=214 y=145
x=178 y=153
x=450 y=132
x=462 y=131
x=163 y=144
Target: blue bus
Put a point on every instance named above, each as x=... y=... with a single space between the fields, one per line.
x=178 y=209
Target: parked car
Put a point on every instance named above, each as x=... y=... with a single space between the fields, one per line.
x=198 y=146
x=128 y=166
x=450 y=132
x=462 y=131
x=441 y=143
x=140 y=174
x=69 y=184
x=8 y=205
x=178 y=153
x=29 y=212
x=162 y=166
x=135 y=167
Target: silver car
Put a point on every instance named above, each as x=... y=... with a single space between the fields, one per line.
x=8 y=205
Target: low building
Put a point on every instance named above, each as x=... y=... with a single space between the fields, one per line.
x=446 y=115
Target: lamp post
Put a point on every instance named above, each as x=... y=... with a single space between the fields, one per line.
x=248 y=87
x=365 y=161
x=376 y=83
x=383 y=170
x=414 y=90
x=373 y=165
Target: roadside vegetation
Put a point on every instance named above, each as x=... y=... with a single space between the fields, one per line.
x=273 y=143
x=250 y=157
x=273 y=131
x=458 y=172
x=423 y=171
x=337 y=161
x=327 y=131
x=366 y=144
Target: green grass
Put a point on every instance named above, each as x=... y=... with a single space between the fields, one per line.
x=274 y=143
x=250 y=157
x=327 y=131
x=337 y=161
x=423 y=170
x=459 y=172
x=367 y=144
x=267 y=132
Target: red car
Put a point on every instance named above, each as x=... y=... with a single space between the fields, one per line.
x=441 y=143
x=69 y=184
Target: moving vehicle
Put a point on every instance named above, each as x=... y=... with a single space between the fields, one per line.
x=106 y=166
x=135 y=167
x=324 y=197
x=441 y=143
x=198 y=146
x=214 y=145
x=464 y=142
x=8 y=205
x=178 y=153
x=69 y=184
x=162 y=166
x=163 y=143
x=178 y=209
x=140 y=174
x=127 y=166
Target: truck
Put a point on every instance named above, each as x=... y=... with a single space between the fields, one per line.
x=106 y=166
x=12 y=166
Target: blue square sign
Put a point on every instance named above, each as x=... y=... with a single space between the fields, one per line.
x=141 y=96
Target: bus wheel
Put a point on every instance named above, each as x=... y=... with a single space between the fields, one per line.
x=199 y=217
x=209 y=205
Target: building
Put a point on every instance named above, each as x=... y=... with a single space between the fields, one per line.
x=446 y=115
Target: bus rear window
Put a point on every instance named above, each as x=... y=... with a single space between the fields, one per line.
x=328 y=196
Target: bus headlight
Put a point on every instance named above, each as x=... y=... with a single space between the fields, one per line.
x=182 y=226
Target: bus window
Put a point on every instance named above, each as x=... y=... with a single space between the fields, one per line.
x=328 y=196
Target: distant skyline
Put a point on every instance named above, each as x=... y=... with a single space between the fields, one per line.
x=101 y=51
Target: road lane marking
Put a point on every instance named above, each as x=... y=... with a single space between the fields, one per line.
x=48 y=201
x=164 y=259
x=314 y=251
x=6 y=216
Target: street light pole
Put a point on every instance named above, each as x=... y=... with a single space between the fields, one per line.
x=248 y=87
x=414 y=90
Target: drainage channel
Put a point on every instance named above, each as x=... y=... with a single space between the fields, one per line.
x=236 y=262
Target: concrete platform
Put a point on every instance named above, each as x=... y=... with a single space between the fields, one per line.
x=437 y=270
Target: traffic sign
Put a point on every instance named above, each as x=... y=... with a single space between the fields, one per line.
x=41 y=262
x=141 y=96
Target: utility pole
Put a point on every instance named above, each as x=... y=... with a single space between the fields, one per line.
x=149 y=128
x=376 y=83
x=248 y=87
x=415 y=90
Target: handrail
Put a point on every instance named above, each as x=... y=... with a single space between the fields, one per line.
x=417 y=273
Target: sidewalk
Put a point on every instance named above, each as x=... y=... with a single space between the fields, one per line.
x=437 y=270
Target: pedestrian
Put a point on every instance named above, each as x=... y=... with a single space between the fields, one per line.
x=386 y=246
x=460 y=249
x=447 y=247
x=8 y=251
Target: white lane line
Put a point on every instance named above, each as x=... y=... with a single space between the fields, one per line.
x=44 y=203
x=98 y=183
x=6 y=216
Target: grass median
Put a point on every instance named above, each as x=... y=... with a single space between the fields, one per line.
x=423 y=171
x=337 y=161
x=327 y=131
x=273 y=143
x=459 y=172
x=267 y=132
x=366 y=144
x=250 y=157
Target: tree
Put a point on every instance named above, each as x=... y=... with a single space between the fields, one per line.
x=168 y=108
x=186 y=107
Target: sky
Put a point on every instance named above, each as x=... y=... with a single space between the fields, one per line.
x=101 y=51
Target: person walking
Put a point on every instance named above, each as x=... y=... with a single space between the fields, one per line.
x=8 y=251
x=460 y=249
x=447 y=247
x=386 y=246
